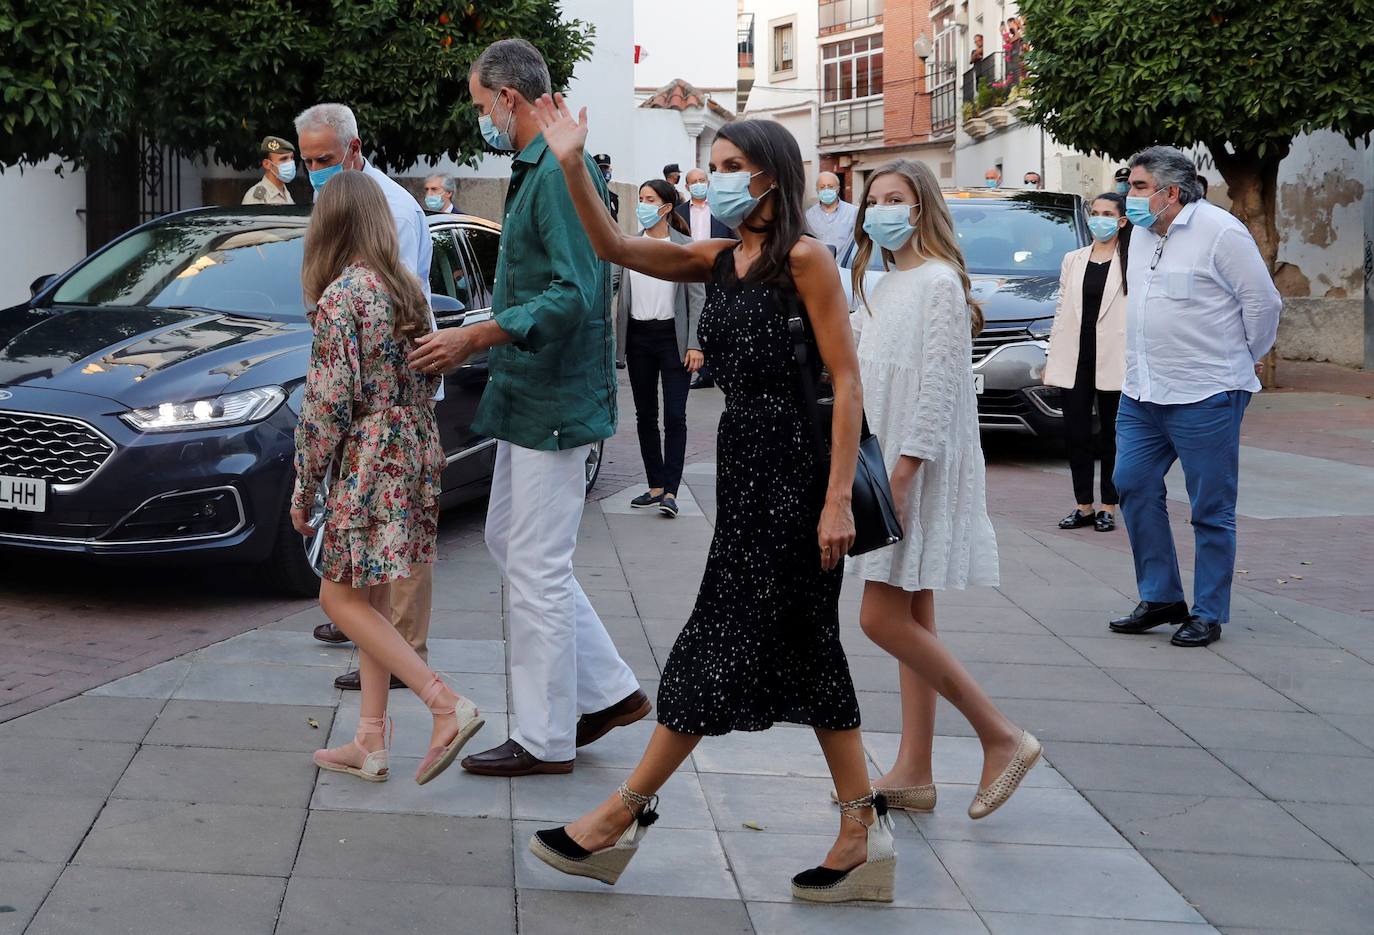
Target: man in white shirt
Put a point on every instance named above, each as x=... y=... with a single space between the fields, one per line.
x=1202 y=311
x=328 y=140
x=831 y=218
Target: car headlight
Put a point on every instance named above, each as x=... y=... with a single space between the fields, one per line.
x=1040 y=328
x=230 y=409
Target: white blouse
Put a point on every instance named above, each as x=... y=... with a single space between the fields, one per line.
x=915 y=360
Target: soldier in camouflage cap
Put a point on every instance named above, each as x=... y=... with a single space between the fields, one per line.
x=278 y=169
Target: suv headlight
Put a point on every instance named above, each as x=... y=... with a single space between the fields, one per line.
x=1040 y=328
x=230 y=409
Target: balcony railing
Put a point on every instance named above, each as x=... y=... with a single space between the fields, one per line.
x=1000 y=71
x=944 y=109
x=852 y=121
x=842 y=15
x=744 y=36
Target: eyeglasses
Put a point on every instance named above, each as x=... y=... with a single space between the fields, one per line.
x=1159 y=251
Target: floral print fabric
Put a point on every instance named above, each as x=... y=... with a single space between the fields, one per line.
x=364 y=403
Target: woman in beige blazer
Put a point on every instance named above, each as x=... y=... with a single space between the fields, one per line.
x=1087 y=356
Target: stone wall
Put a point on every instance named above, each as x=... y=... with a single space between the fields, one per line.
x=1323 y=329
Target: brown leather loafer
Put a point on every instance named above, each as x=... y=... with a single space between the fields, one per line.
x=592 y=727
x=353 y=681
x=511 y=759
x=328 y=633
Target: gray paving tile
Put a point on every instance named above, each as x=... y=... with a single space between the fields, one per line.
x=560 y=799
x=455 y=793
x=199 y=838
x=547 y=912
x=455 y=590
x=1079 y=881
x=315 y=906
x=1281 y=662
x=157 y=681
x=783 y=805
x=102 y=899
x=781 y=751
x=1038 y=649
x=1358 y=726
x=1130 y=768
x=1331 y=695
x=274 y=647
x=257 y=682
x=241 y=726
x=1304 y=777
x=1350 y=828
x=1302 y=895
x=670 y=862
x=115 y=720
x=231 y=777
x=1004 y=923
x=1148 y=651
x=466 y=625
x=764 y=864
x=1051 y=683
x=78 y=768
x=447 y=655
x=487 y=690
x=1291 y=731
x=406 y=849
x=1093 y=723
x=622 y=748
x=302 y=621
x=797 y=919
x=1033 y=816
x=1215 y=690
x=1210 y=825
x=973 y=619
x=23 y=887
x=44 y=828
x=956 y=760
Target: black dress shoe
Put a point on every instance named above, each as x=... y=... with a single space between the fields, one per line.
x=594 y=726
x=1105 y=521
x=511 y=759
x=328 y=633
x=1150 y=614
x=646 y=500
x=353 y=681
x=1077 y=519
x=1197 y=632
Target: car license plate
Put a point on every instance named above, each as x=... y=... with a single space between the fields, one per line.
x=23 y=493
x=978 y=383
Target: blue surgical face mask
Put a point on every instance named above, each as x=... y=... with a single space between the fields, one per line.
x=889 y=226
x=496 y=138
x=990 y=183
x=1138 y=210
x=729 y=197
x=648 y=215
x=319 y=176
x=1123 y=187
x=286 y=171
x=434 y=202
x=698 y=190
x=828 y=196
x=1103 y=228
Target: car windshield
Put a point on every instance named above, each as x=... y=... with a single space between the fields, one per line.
x=247 y=266
x=1003 y=238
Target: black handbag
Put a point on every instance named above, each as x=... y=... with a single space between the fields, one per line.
x=876 y=525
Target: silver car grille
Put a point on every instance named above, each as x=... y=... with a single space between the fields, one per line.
x=57 y=450
x=990 y=339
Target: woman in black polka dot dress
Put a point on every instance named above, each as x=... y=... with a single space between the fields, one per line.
x=762 y=644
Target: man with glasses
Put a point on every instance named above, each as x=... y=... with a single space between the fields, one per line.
x=1201 y=311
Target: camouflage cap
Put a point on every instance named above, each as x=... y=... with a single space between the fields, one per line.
x=271 y=145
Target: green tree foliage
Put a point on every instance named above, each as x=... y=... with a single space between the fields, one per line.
x=218 y=77
x=1240 y=77
x=67 y=71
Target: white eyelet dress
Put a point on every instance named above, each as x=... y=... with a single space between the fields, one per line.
x=915 y=359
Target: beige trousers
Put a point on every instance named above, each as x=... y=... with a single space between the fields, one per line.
x=410 y=606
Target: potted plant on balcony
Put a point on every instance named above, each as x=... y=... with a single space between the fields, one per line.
x=974 y=124
x=995 y=111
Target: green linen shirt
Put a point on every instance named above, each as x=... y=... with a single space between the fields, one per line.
x=554 y=386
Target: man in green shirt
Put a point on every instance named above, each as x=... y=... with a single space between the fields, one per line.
x=551 y=397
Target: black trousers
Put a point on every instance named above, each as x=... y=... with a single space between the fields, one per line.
x=651 y=355
x=1078 y=432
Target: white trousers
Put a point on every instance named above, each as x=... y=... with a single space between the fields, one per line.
x=563 y=662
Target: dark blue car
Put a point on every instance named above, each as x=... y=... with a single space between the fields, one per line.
x=149 y=395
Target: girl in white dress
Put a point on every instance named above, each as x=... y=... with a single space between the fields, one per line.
x=915 y=347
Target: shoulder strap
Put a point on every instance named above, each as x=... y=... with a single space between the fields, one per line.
x=809 y=364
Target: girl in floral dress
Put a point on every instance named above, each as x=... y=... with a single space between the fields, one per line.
x=369 y=412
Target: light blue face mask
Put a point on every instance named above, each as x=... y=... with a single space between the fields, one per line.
x=889 y=226
x=1138 y=210
x=828 y=196
x=434 y=202
x=286 y=171
x=698 y=190
x=497 y=139
x=1123 y=187
x=319 y=176
x=1103 y=228
x=990 y=183
x=729 y=197
x=648 y=215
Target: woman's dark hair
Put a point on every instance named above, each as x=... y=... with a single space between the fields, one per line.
x=1123 y=237
x=668 y=194
x=774 y=151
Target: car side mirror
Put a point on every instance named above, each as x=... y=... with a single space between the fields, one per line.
x=445 y=305
x=41 y=283
x=831 y=248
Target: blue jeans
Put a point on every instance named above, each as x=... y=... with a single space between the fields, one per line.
x=1205 y=437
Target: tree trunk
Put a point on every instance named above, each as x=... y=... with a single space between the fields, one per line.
x=1253 y=182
